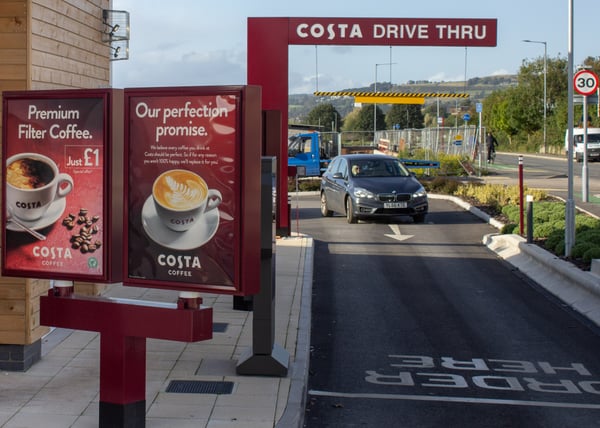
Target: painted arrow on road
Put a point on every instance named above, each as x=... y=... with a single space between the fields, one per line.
x=397 y=235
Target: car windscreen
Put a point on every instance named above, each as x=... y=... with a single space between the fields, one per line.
x=378 y=168
x=592 y=138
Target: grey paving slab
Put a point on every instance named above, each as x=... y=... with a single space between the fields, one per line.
x=62 y=390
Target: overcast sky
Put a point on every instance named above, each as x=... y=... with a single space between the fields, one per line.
x=192 y=42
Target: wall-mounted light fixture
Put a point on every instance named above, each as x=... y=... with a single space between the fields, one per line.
x=115 y=25
x=119 y=50
x=115 y=51
x=113 y=29
x=115 y=32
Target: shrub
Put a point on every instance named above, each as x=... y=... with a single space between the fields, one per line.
x=579 y=249
x=442 y=185
x=554 y=238
x=509 y=228
x=544 y=230
x=559 y=248
x=592 y=253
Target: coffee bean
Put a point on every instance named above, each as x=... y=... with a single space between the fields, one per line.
x=82 y=241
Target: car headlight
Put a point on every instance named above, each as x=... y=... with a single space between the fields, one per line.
x=420 y=193
x=359 y=192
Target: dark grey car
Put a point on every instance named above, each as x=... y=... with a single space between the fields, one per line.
x=363 y=186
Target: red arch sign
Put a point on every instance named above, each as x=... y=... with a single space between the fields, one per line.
x=269 y=38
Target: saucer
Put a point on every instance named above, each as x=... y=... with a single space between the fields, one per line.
x=55 y=211
x=195 y=237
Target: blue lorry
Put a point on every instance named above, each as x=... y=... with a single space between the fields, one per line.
x=313 y=151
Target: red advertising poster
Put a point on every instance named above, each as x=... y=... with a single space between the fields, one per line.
x=184 y=193
x=54 y=151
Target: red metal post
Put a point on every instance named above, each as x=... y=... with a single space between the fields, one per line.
x=124 y=326
x=521 y=195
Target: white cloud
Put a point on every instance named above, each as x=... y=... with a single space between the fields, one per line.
x=500 y=72
x=224 y=67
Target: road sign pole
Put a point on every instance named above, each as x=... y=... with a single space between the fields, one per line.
x=585 y=82
x=585 y=182
x=480 y=138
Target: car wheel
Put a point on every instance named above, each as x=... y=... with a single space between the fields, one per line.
x=325 y=212
x=350 y=216
x=419 y=218
x=579 y=157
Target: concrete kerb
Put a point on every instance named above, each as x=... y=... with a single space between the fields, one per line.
x=576 y=288
x=293 y=415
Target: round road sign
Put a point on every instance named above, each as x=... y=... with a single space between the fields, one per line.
x=585 y=82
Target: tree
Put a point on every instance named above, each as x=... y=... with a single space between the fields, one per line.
x=362 y=119
x=351 y=120
x=325 y=115
x=518 y=111
x=405 y=115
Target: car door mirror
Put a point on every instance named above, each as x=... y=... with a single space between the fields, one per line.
x=338 y=175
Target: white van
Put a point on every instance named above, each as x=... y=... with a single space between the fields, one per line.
x=593 y=143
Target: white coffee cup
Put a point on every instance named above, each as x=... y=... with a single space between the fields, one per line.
x=181 y=197
x=33 y=183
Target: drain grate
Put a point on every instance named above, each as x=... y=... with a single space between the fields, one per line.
x=199 y=387
x=220 y=327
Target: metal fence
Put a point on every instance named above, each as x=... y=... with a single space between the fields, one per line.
x=460 y=140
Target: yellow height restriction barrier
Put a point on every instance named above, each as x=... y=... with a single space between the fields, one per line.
x=390 y=100
x=389 y=97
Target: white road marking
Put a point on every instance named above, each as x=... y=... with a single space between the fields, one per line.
x=397 y=235
x=455 y=400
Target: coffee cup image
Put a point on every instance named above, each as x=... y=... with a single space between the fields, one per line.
x=33 y=183
x=181 y=198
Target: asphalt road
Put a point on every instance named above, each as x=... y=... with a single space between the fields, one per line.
x=548 y=173
x=422 y=326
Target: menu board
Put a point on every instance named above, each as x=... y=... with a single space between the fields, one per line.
x=54 y=189
x=186 y=187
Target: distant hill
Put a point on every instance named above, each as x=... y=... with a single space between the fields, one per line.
x=477 y=87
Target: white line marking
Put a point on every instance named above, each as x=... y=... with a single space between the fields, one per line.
x=397 y=234
x=455 y=399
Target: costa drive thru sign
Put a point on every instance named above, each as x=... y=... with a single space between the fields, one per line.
x=269 y=39
x=392 y=31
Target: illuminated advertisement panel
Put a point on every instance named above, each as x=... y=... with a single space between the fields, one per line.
x=192 y=204
x=56 y=181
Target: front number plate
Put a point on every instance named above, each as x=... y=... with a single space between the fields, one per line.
x=394 y=205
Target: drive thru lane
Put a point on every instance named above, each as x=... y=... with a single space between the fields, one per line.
x=434 y=330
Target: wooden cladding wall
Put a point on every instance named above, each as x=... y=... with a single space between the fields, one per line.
x=14 y=30
x=46 y=44
x=13 y=44
x=20 y=310
x=66 y=46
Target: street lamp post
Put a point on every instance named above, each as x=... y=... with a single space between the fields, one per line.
x=545 y=83
x=375 y=104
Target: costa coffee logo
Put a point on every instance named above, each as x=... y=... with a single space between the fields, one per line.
x=179 y=261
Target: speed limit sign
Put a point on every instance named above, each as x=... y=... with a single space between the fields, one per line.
x=585 y=82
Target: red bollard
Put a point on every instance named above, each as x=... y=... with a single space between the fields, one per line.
x=521 y=226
